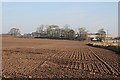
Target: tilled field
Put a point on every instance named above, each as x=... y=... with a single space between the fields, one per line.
x=43 y=58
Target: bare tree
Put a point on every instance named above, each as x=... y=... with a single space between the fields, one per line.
x=53 y=31
x=82 y=33
x=14 y=32
x=67 y=27
x=40 y=29
x=71 y=34
x=66 y=30
x=102 y=34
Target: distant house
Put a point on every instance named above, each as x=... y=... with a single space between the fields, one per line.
x=27 y=35
x=93 y=36
x=35 y=34
x=109 y=37
x=39 y=35
x=117 y=38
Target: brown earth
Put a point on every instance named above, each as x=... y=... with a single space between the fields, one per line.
x=44 y=58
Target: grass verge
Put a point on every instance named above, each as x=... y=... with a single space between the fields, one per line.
x=112 y=48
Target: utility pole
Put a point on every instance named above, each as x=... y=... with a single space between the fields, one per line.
x=107 y=35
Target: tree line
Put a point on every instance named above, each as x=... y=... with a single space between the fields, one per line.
x=55 y=32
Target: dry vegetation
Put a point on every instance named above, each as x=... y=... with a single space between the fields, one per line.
x=44 y=58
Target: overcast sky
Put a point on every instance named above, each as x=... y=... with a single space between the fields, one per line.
x=27 y=16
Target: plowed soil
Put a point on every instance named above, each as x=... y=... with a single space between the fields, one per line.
x=45 y=58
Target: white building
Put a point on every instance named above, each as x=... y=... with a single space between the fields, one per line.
x=92 y=36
